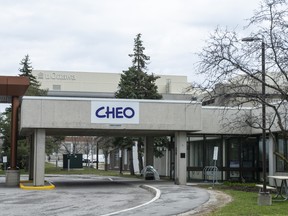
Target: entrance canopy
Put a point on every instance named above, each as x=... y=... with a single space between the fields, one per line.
x=86 y=116
x=12 y=86
x=70 y=116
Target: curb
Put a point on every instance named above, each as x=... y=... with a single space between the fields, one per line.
x=22 y=185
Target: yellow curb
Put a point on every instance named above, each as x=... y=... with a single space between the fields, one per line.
x=45 y=187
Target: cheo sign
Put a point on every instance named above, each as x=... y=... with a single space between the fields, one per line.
x=114 y=112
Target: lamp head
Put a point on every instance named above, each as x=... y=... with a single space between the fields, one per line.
x=249 y=39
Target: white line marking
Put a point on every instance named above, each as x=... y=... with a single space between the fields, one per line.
x=148 y=187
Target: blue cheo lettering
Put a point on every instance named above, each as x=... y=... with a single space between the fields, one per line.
x=127 y=114
x=119 y=112
x=115 y=112
x=108 y=111
x=97 y=113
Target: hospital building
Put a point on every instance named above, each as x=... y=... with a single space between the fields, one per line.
x=238 y=152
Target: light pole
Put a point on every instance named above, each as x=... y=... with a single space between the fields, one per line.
x=263 y=98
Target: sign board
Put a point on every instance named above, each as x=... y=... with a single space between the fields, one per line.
x=56 y=76
x=215 y=154
x=114 y=112
x=4 y=159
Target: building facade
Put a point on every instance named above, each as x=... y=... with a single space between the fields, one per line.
x=104 y=85
x=239 y=147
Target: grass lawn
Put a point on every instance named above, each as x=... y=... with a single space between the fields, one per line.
x=245 y=203
x=52 y=169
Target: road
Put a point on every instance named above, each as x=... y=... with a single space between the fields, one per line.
x=100 y=196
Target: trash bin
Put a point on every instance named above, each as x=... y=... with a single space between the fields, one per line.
x=74 y=160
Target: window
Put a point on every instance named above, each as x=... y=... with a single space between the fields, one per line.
x=201 y=151
x=195 y=152
x=210 y=143
x=281 y=148
x=242 y=158
x=56 y=87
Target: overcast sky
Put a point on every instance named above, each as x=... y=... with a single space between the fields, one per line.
x=98 y=35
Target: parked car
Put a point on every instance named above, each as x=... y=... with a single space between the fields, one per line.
x=85 y=160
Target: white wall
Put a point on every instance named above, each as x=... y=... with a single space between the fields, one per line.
x=74 y=114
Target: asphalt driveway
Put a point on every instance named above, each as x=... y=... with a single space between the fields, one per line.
x=99 y=196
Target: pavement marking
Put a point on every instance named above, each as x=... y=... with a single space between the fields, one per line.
x=154 y=190
x=110 y=179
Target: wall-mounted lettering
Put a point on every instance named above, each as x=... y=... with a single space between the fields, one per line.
x=115 y=112
x=56 y=76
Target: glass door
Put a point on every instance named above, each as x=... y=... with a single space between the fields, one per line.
x=233 y=157
x=242 y=157
x=249 y=155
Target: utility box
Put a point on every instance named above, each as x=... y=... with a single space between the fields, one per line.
x=72 y=161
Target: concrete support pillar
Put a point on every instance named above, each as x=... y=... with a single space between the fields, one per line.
x=149 y=151
x=181 y=158
x=39 y=157
x=31 y=157
x=135 y=157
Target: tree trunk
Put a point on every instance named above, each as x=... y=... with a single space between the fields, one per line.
x=131 y=165
x=140 y=156
x=106 y=160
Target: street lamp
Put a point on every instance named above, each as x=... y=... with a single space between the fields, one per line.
x=250 y=39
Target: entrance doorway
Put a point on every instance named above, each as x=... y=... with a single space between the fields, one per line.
x=242 y=159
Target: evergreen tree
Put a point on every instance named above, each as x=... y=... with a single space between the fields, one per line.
x=26 y=70
x=136 y=83
x=5 y=132
x=139 y=58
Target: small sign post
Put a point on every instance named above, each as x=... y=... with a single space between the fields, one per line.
x=215 y=157
x=68 y=162
x=215 y=154
x=4 y=162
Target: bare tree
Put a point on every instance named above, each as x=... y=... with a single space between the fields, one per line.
x=233 y=68
x=106 y=144
x=75 y=145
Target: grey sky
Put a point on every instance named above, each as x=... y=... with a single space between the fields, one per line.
x=97 y=35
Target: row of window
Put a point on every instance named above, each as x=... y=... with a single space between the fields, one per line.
x=240 y=157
